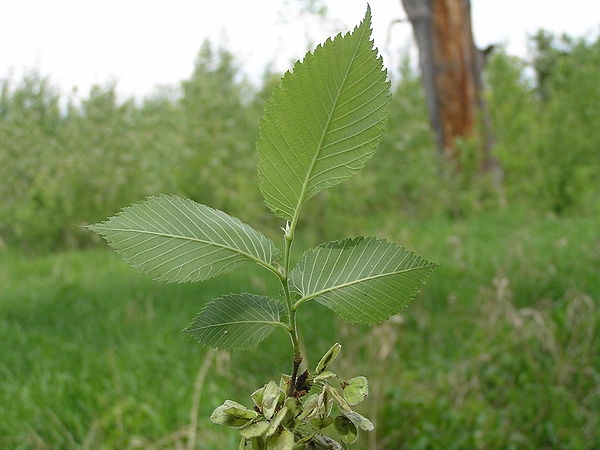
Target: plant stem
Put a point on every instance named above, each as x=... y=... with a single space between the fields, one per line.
x=198 y=385
x=295 y=341
x=293 y=330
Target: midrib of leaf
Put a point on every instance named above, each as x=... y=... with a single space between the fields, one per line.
x=237 y=322
x=192 y=239
x=353 y=282
x=315 y=158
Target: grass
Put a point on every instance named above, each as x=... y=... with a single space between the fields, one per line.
x=93 y=352
x=500 y=351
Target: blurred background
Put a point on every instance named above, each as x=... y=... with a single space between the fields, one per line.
x=103 y=104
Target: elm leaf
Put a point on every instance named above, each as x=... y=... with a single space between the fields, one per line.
x=236 y=321
x=362 y=279
x=323 y=122
x=178 y=240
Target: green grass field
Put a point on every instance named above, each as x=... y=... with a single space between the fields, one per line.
x=502 y=349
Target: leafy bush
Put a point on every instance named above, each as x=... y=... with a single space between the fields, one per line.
x=66 y=161
x=546 y=137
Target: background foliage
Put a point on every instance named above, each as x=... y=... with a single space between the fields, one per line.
x=501 y=350
x=67 y=162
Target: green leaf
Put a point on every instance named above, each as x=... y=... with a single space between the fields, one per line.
x=361 y=279
x=176 y=240
x=236 y=321
x=323 y=122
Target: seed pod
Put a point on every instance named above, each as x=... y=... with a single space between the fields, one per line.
x=271 y=398
x=360 y=421
x=328 y=358
x=282 y=440
x=346 y=428
x=232 y=414
x=355 y=390
x=255 y=430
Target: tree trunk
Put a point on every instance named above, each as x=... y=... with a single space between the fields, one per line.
x=451 y=68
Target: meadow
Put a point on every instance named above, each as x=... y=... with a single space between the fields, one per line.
x=500 y=351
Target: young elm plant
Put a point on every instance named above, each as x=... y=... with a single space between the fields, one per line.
x=322 y=124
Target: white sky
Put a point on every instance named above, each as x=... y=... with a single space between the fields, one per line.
x=144 y=43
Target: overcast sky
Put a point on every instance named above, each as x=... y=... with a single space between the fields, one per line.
x=144 y=43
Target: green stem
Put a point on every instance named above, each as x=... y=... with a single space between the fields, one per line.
x=291 y=308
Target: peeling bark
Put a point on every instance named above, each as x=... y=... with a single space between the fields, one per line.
x=451 y=67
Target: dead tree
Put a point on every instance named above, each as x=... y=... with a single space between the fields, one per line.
x=451 y=67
